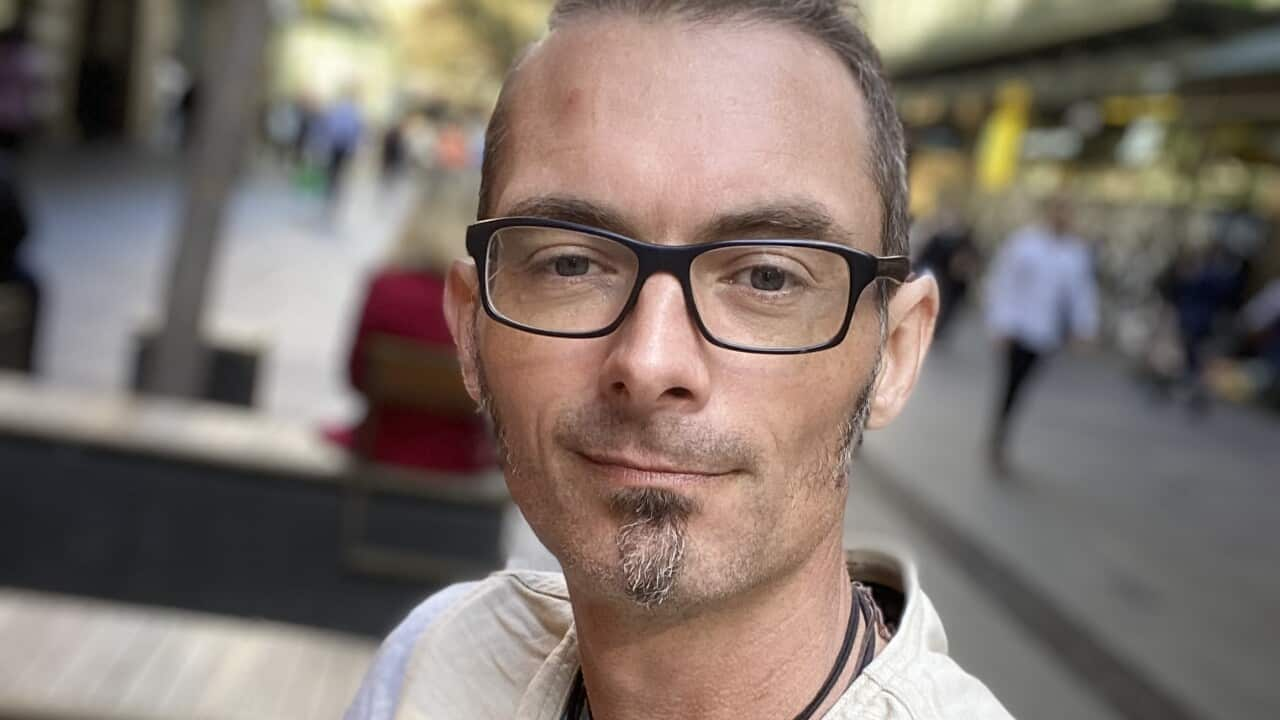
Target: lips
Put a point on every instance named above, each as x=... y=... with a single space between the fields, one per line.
x=648 y=471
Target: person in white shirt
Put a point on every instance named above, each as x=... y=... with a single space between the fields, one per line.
x=1040 y=294
x=688 y=297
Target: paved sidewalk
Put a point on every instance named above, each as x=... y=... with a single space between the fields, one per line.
x=1146 y=538
x=1028 y=678
x=289 y=275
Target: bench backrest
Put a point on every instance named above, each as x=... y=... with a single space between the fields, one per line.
x=404 y=373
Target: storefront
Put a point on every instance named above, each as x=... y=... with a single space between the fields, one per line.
x=1160 y=120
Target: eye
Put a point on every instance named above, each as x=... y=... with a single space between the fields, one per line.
x=768 y=278
x=765 y=278
x=571 y=265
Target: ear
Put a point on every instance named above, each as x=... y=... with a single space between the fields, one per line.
x=461 y=306
x=913 y=311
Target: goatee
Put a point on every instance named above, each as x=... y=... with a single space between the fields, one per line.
x=651 y=541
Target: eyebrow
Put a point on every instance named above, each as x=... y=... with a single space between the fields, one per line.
x=574 y=210
x=790 y=220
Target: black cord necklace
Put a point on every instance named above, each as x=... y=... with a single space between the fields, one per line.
x=578 y=709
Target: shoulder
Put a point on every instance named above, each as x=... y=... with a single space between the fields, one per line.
x=913 y=678
x=380 y=689
x=459 y=628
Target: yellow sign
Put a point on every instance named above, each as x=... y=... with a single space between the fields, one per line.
x=1001 y=144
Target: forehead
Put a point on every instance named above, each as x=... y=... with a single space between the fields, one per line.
x=672 y=125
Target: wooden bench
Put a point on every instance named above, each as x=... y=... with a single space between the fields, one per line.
x=70 y=658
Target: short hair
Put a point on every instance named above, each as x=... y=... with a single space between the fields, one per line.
x=829 y=21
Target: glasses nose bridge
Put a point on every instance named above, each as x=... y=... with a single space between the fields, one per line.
x=666 y=260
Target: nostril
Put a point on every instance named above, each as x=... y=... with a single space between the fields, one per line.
x=679 y=393
x=619 y=388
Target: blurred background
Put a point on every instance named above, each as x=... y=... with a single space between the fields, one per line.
x=234 y=449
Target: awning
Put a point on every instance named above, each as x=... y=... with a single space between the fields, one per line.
x=925 y=38
x=916 y=35
x=1252 y=54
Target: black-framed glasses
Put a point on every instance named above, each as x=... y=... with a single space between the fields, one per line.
x=562 y=279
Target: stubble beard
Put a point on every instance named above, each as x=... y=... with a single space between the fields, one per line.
x=652 y=537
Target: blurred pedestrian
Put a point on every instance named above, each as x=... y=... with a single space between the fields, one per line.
x=1202 y=286
x=1041 y=292
x=452 y=151
x=404 y=301
x=282 y=128
x=394 y=149
x=951 y=256
x=305 y=140
x=420 y=142
x=343 y=128
x=19 y=289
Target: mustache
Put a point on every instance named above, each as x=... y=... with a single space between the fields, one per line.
x=682 y=441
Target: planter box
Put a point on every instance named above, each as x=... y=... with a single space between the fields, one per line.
x=232 y=377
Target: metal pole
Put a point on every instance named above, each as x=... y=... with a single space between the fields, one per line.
x=225 y=111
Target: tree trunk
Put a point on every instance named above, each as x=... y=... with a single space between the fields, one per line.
x=225 y=110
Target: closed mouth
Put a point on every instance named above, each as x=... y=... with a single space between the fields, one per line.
x=654 y=469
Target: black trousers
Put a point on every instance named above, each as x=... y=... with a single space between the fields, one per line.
x=1019 y=364
x=335 y=172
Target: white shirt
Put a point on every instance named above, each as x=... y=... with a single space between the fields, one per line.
x=1041 y=289
x=507 y=648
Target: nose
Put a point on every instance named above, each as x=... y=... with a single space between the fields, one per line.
x=658 y=358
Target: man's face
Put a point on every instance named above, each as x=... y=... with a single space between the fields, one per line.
x=653 y=464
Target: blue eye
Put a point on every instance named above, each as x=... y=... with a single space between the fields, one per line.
x=768 y=278
x=572 y=265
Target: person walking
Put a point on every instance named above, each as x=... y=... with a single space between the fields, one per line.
x=1041 y=293
x=1203 y=289
x=343 y=129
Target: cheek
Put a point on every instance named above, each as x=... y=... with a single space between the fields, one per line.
x=531 y=381
x=795 y=404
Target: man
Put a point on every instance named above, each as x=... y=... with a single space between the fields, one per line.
x=343 y=130
x=1041 y=292
x=677 y=392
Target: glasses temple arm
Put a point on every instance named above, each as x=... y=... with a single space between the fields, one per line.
x=896 y=268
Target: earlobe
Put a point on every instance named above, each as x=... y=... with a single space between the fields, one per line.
x=461 y=302
x=913 y=312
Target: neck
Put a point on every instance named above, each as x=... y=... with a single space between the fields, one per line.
x=763 y=655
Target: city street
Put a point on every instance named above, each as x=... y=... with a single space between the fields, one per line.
x=1123 y=570
x=1133 y=539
